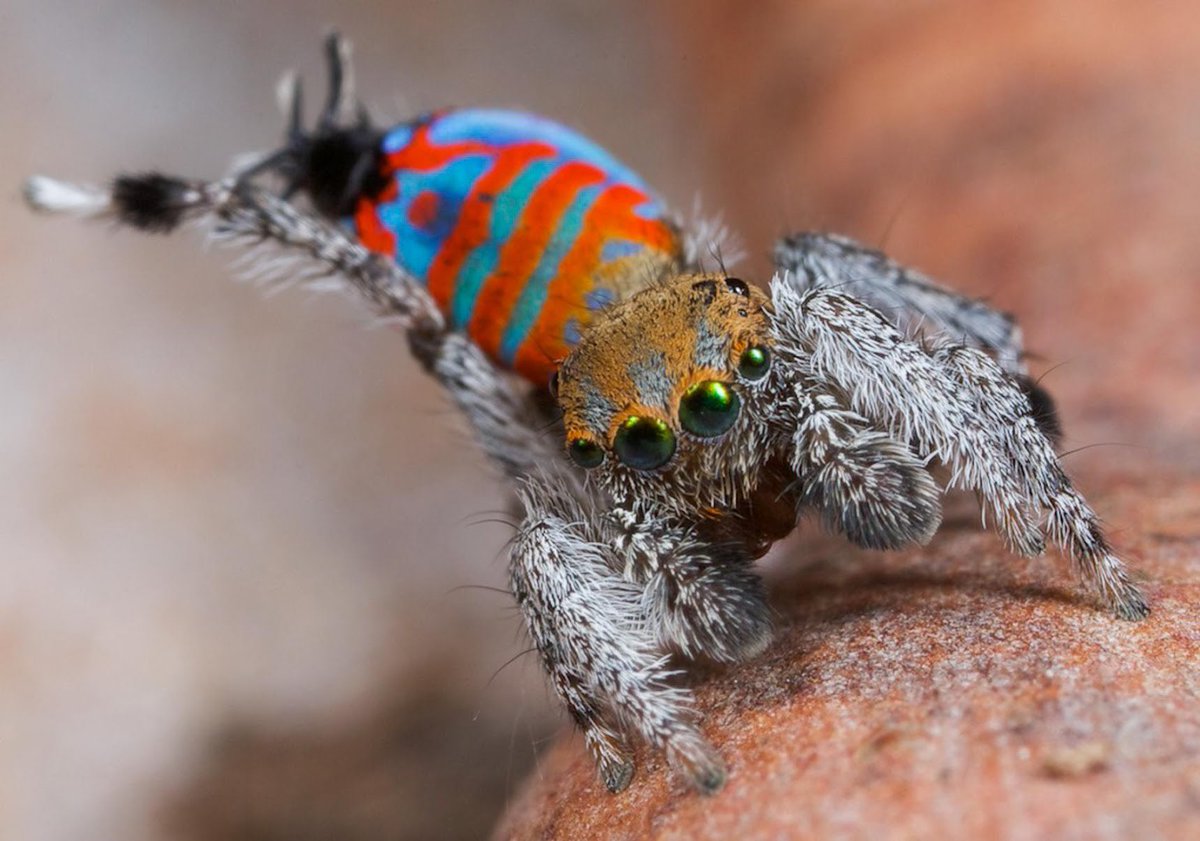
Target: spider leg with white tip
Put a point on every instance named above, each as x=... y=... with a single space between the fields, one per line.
x=953 y=403
x=501 y=412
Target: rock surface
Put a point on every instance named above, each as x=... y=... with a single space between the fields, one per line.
x=951 y=692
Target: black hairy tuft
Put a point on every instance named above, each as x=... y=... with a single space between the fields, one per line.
x=1041 y=406
x=150 y=201
x=337 y=166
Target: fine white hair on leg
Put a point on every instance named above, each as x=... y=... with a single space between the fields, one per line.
x=1071 y=523
x=834 y=338
x=499 y=409
x=700 y=597
x=248 y=215
x=49 y=195
x=586 y=621
x=289 y=246
x=243 y=215
x=864 y=483
x=956 y=405
x=913 y=302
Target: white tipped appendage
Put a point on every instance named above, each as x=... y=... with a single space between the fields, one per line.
x=285 y=92
x=49 y=195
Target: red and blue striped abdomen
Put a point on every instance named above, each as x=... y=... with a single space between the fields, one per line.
x=520 y=228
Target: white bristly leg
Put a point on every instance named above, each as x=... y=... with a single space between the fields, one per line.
x=955 y=404
x=910 y=300
x=865 y=484
x=587 y=622
x=700 y=599
x=293 y=246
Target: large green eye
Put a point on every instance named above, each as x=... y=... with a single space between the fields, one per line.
x=708 y=409
x=587 y=454
x=644 y=443
x=754 y=363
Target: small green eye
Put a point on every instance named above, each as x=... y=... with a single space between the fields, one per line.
x=754 y=363
x=644 y=443
x=708 y=409
x=587 y=454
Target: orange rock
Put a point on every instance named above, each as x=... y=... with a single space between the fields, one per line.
x=952 y=692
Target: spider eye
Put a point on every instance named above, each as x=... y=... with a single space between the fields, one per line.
x=754 y=363
x=708 y=409
x=644 y=443
x=587 y=454
x=737 y=286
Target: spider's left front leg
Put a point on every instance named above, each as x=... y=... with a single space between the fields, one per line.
x=910 y=300
x=863 y=482
x=699 y=594
x=915 y=303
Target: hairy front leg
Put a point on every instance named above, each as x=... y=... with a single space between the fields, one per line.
x=915 y=304
x=864 y=483
x=910 y=300
x=587 y=622
x=954 y=404
x=699 y=594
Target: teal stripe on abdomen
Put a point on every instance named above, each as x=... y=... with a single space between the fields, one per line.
x=506 y=212
x=533 y=296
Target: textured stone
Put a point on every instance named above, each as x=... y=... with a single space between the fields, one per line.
x=954 y=691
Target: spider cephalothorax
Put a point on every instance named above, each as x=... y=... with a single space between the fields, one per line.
x=701 y=416
x=663 y=398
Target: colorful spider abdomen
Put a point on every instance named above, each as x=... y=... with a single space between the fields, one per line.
x=521 y=229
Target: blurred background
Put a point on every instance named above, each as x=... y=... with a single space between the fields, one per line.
x=246 y=543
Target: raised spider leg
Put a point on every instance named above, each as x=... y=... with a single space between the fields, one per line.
x=307 y=249
x=700 y=598
x=955 y=404
x=587 y=622
x=502 y=413
x=865 y=483
x=914 y=303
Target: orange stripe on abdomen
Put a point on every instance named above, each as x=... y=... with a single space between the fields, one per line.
x=521 y=255
x=612 y=217
x=474 y=220
x=371 y=230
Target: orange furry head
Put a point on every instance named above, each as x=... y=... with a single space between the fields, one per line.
x=644 y=363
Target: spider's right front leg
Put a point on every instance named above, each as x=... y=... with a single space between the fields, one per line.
x=588 y=625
